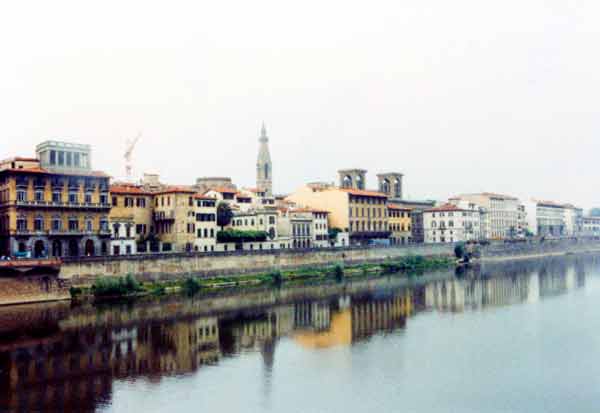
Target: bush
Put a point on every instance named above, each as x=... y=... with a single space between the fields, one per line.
x=459 y=250
x=75 y=291
x=236 y=235
x=111 y=286
x=338 y=271
x=191 y=286
x=276 y=277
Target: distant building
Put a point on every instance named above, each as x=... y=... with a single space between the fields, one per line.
x=130 y=219
x=206 y=223
x=264 y=166
x=449 y=223
x=175 y=219
x=416 y=215
x=591 y=226
x=553 y=219
x=54 y=205
x=399 y=223
x=501 y=213
x=360 y=213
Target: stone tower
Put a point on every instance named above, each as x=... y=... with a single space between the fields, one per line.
x=391 y=184
x=352 y=178
x=264 y=167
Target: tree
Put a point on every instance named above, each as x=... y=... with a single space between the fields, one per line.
x=224 y=214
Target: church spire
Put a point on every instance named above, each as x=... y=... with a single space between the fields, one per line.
x=264 y=179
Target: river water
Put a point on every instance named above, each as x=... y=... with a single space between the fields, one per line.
x=511 y=337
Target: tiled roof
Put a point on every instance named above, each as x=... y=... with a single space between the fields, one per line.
x=176 y=190
x=38 y=170
x=202 y=196
x=223 y=190
x=362 y=192
x=398 y=207
x=445 y=208
x=128 y=190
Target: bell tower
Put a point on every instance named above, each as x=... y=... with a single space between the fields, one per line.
x=264 y=167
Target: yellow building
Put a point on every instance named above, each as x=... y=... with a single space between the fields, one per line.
x=361 y=213
x=130 y=219
x=53 y=207
x=399 y=223
x=175 y=219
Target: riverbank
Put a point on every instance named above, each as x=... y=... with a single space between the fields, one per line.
x=113 y=287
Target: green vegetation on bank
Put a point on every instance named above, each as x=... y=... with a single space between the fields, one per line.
x=236 y=235
x=411 y=266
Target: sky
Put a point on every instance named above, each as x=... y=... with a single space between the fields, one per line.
x=459 y=96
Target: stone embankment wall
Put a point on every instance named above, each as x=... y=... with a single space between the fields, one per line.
x=21 y=289
x=172 y=266
x=502 y=251
x=84 y=271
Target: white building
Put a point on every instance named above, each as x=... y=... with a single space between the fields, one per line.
x=122 y=236
x=449 y=223
x=553 y=219
x=502 y=213
x=206 y=223
x=591 y=226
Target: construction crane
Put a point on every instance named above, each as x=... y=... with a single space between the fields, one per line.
x=128 y=152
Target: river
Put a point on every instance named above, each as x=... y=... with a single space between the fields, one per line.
x=504 y=337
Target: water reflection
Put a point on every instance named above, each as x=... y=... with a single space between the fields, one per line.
x=54 y=357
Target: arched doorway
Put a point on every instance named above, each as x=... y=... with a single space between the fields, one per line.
x=90 y=249
x=73 y=248
x=39 y=249
x=57 y=249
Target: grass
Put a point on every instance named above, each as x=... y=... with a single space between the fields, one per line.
x=411 y=266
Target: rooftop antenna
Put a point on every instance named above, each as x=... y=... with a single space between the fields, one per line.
x=128 y=153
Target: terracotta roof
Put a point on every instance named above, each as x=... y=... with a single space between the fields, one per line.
x=445 y=208
x=128 y=189
x=313 y=210
x=20 y=159
x=176 y=190
x=398 y=207
x=38 y=170
x=202 y=196
x=362 y=192
x=223 y=190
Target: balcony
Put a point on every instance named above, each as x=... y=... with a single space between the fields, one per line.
x=164 y=216
x=62 y=205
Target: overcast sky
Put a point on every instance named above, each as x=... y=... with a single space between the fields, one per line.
x=460 y=96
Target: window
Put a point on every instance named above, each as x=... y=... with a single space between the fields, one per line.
x=56 y=197
x=56 y=224
x=72 y=197
x=52 y=157
x=73 y=224
x=272 y=220
x=89 y=227
x=39 y=196
x=69 y=158
x=88 y=198
x=21 y=195
x=77 y=159
x=38 y=224
x=21 y=224
x=61 y=158
x=115 y=201
x=141 y=202
x=103 y=199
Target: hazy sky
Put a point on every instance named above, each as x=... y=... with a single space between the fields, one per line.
x=460 y=96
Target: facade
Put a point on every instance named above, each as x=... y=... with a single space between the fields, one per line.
x=361 y=213
x=56 y=210
x=206 y=223
x=130 y=219
x=591 y=226
x=259 y=220
x=553 y=219
x=416 y=214
x=175 y=219
x=264 y=166
x=399 y=223
x=501 y=213
x=449 y=223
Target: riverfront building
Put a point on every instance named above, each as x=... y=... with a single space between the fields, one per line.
x=361 y=213
x=399 y=223
x=130 y=219
x=501 y=213
x=54 y=205
x=449 y=223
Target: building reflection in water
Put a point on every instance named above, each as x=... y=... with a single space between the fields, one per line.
x=56 y=358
